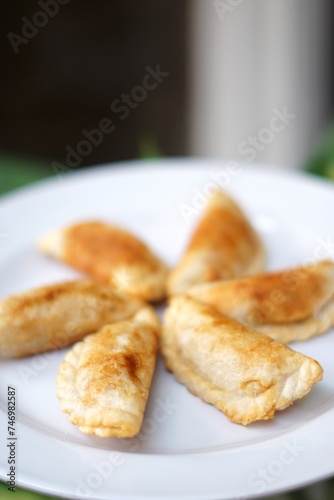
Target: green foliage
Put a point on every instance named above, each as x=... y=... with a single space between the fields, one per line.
x=19 y=494
x=321 y=161
x=17 y=171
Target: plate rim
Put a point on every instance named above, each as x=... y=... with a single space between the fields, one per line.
x=141 y=167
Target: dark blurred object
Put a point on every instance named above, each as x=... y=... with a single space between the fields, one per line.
x=321 y=161
x=64 y=78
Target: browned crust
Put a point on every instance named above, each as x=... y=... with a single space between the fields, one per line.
x=245 y=374
x=110 y=255
x=104 y=381
x=273 y=298
x=224 y=245
x=93 y=247
x=54 y=316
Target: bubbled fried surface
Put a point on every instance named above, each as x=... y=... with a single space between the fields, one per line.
x=54 y=316
x=104 y=380
x=224 y=245
x=110 y=255
x=245 y=374
x=290 y=305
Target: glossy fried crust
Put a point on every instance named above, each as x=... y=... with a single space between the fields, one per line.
x=245 y=374
x=290 y=305
x=104 y=381
x=224 y=245
x=110 y=255
x=54 y=316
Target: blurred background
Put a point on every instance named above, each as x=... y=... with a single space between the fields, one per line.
x=249 y=81
x=83 y=84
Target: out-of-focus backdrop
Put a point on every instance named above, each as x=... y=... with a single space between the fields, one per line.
x=253 y=62
x=84 y=83
x=70 y=68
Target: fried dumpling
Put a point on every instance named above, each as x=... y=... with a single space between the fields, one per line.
x=104 y=381
x=54 y=316
x=290 y=305
x=110 y=255
x=245 y=374
x=224 y=245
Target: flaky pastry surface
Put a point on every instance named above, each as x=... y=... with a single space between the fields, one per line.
x=245 y=374
x=110 y=255
x=291 y=305
x=54 y=316
x=104 y=380
x=223 y=245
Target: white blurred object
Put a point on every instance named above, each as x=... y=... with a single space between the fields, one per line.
x=251 y=61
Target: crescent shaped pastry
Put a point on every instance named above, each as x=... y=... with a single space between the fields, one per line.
x=54 y=316
x=290 y=305
x=109 y=255
x=245 y=374
x=224 y=245
x=104 y=381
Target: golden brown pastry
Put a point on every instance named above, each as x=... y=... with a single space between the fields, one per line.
x=109 y=255
x=245 y=374
x=54 y=316
x=290 y=305
x=223 y=246
x=104 y=381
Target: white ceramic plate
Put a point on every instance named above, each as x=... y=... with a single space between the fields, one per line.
x=186 y=449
